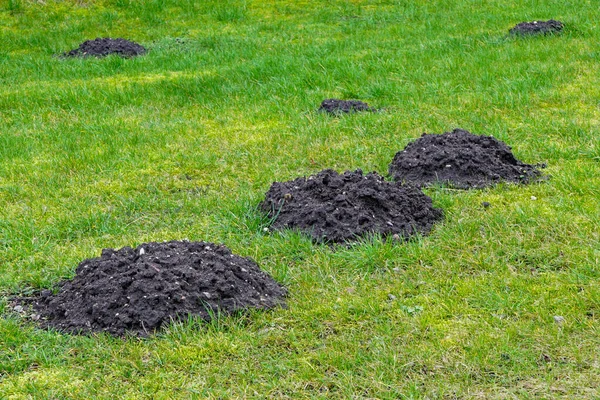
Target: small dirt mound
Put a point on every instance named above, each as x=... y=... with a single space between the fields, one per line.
x=138 y=290
x=459 y=159
x=336 y=106
x=102 y=47
x=335 y=208
x=537 y=27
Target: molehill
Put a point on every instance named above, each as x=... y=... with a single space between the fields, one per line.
x=336 y=106
x=335 y=208
x=102 y=47
x=461 y=160
x=139 y=290
x=537 y=27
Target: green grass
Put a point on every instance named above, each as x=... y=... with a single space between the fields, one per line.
x=185 y=141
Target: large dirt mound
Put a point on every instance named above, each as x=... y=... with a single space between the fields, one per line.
x=459 y=159
x=101 y=47
x=334 y=207
x=138 y=290
x=336 y=106
x=537 y=27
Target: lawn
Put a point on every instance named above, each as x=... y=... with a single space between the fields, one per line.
x=185 y=141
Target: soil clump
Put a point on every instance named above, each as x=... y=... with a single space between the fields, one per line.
x=336 y=106
x=336 y=208
x=102 y=47
x=461 y=160
x=138 y=290
x=537 y=27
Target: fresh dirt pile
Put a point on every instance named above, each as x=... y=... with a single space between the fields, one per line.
x=102 y=47
x=138 y=290
x=335 y=208
x=459 y=159
x=336 y=106
x=537 y=27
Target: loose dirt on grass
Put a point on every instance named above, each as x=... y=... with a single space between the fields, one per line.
x=336 y=106
x=537 y=27
x=335 y=208
x=102 y=47
x=461 y=160
x=138 y=290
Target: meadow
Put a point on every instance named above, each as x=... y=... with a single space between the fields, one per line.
x=184 y=141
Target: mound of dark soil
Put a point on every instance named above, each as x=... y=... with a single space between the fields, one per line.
x=336 y=106
x=459 y=159
x=537 y=27
x=138 y=290
x=335 y=208
x=101 y=47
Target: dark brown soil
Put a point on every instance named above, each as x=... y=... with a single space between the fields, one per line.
x=537 y=27
x=335 y=208
x=336 y=106
x=102 y=47
x=139 y=290
x=461 y=160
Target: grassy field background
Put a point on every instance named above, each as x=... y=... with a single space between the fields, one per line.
x=185 y=141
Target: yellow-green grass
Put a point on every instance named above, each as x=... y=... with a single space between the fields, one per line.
x=185 y=141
